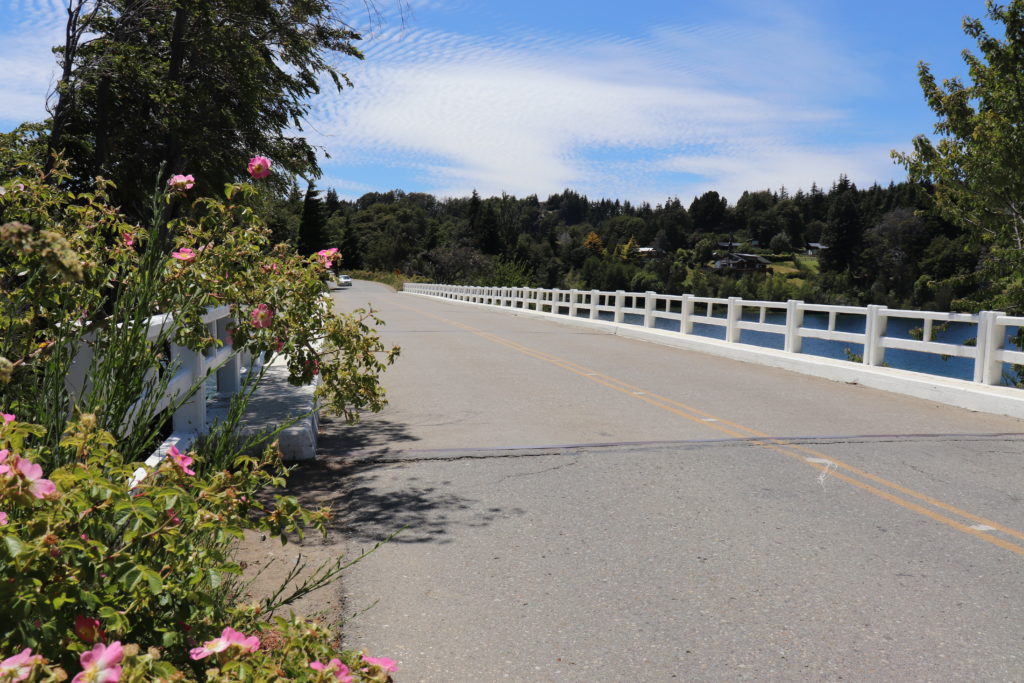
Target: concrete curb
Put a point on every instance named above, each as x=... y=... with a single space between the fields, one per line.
x=277 y=401
x=984 y=398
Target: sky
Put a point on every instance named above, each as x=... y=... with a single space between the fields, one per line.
x=643 y=100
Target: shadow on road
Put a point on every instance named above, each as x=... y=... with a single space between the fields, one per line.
x=372 y=496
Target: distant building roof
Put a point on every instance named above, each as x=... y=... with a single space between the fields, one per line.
x=742 y=262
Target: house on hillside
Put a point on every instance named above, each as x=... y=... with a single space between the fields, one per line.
x=743 y=263
x=815 y=248
x=649 y=252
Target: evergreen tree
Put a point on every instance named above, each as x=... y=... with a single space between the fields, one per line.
x=311 y=229
x=708 y=211
x=842 y=234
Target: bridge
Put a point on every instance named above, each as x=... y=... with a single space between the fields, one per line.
x=578 y=505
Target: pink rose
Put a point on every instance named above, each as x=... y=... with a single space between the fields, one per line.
x=101 y=664
x=336 y=667
x=229 y=638
x=326 y=256
x=18 y=667
x=262 y=315
x=184 y=254
x=388 y=665
x=88 y=629
x=181 y=460
x=33 y=473
x=259 y=167
x=180 y=183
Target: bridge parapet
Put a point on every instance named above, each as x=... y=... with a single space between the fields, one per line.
x=194 y=406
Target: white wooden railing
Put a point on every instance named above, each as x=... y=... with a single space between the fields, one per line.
x=989 y=351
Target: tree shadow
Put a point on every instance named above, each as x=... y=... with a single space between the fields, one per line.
x=373 y=494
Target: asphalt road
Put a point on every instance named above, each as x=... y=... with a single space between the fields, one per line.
x=582 y=507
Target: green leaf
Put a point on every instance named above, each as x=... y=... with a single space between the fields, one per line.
x=156 y=584
x=62 y=600
x=170 y=639
x=14 y=546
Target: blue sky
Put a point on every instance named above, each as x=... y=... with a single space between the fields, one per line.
x=642 y=100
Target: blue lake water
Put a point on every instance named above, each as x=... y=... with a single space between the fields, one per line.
x=954 y=333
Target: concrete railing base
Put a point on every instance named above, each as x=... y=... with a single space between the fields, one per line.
x=272 y=404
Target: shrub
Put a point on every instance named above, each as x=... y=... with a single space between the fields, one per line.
x=113 y=579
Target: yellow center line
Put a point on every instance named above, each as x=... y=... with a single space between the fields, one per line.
x=765 y=441
x=744 y=431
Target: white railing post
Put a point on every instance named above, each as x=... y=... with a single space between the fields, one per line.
x=595 y=297
x=874 y=330
x=228 y=382
x=572 y=302
x=649 y=308
x=620 y=301
x=794 y=321
x=76 y=382
x=732 y=316
x=685 y=312
x=989 y=341
x=191 y=415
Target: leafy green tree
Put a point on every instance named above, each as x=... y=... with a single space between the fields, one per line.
x=708 y=211
x=976 y=162
x=780 y=244
x=192 y=87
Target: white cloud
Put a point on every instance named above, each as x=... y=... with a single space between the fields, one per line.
x=741 y=104
x=27 y=64
x=608 y=115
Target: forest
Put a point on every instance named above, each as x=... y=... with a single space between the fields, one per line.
x=881 y=245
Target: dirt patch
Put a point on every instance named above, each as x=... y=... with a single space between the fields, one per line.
x=325 y=481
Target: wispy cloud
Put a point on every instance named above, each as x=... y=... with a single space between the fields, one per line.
x=752 y=101
x=683 y=109
x=27 y=64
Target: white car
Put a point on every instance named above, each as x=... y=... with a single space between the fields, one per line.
x=344 y=281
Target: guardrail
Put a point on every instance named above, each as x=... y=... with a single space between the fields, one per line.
x=193 y=367
x=785 y=319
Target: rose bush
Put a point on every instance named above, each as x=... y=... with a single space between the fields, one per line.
x=102 y=580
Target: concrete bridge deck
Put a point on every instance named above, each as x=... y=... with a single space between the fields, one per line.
x=580 y=506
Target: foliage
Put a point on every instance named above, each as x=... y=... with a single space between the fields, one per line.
x=87 y=559
x=975 y=164
x=887 y=248
x=65 y=286
x=392 y=279
x=94 y=561
x=196 y=86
